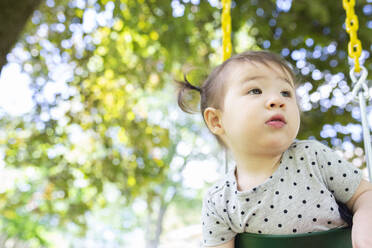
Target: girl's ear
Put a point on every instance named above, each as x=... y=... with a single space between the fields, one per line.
x=212 y=117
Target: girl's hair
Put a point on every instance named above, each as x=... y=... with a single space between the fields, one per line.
x=212 y=91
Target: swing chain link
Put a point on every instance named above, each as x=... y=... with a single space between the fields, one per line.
x=226 y=29
x=359 y=82
x=352 y=25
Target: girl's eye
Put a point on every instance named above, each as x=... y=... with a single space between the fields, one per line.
x=254 y=91
x=286 y=93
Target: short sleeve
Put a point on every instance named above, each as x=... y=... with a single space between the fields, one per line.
x=341 y=177
x=216 y=230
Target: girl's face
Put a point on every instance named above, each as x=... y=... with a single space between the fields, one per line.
x=255 y=94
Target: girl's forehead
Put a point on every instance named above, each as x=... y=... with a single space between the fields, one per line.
x=238 y=71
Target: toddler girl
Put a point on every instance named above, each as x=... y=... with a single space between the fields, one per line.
x=278 y=185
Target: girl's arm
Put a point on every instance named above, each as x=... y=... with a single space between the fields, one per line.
x=361 y=205
x=229 y=244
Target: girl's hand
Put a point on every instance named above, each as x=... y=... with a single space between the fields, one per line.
x=361 y=232
x=229 y=244
x=361 y=205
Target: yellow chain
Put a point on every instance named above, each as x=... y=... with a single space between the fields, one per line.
x=352 y=25
x=226 y=29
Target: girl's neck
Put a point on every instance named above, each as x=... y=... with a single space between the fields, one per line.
x=256 y=165
x=252 y=171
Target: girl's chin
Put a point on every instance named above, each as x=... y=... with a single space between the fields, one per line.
x=269 y=147
x=278 y=144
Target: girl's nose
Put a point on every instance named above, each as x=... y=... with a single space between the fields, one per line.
x=275 y=102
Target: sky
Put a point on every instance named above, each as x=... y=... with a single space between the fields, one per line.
x=15 y=96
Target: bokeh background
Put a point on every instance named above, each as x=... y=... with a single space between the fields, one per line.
x=94 y=151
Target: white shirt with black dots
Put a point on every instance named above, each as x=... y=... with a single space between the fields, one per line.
x=299 y=197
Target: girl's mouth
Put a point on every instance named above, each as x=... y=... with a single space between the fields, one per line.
x=275 y=123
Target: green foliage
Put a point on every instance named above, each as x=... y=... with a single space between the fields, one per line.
x=104 y=133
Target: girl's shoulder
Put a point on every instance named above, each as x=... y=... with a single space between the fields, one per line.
x=303 y=145
x=224 y=183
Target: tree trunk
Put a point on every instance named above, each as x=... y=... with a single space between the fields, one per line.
x=159 y=223
x=154 y=225
x=13 y=17
x=148 y=230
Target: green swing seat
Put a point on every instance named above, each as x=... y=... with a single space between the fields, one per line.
x=334 y=238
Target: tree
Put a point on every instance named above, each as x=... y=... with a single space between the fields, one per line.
x=106 y=56
x=13 y=17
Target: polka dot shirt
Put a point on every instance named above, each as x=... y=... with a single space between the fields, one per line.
x=299 y=197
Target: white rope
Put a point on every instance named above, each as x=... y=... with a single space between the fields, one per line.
x=359 y=82
x=226 y=162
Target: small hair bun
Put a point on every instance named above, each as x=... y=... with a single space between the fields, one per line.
x=188 y=85
x=184 y=96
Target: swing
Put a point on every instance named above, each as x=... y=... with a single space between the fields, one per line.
x=334 y=238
